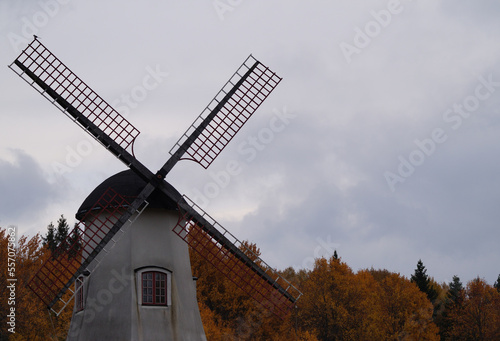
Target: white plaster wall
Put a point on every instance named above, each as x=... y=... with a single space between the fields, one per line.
x=112 y=307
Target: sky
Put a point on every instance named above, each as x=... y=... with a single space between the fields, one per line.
x=381 y=142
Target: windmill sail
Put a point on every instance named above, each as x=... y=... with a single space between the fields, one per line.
x=228 y=111
x=77 y=251
x=38 y=66
x=50 y=77
x=237 y=262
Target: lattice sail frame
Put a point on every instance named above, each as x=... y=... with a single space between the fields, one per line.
x=234 y=268
x=233 y=114
x=37 y=59
x=60 y=270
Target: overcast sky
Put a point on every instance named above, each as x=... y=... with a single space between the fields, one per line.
x=382 y=141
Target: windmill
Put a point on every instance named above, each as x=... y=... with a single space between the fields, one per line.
x=107 y=214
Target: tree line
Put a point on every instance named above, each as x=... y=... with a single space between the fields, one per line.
x=337 y=302
x=340 y=304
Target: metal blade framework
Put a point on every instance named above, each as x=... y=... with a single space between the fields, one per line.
x=203 y=141
x=49 y=76
x=77 y=251
x=228 y=111
x=236 y=261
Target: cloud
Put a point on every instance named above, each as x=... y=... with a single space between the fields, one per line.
x=25 y=191
x=319 y=177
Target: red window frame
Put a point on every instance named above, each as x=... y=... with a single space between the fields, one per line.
x=154 y=288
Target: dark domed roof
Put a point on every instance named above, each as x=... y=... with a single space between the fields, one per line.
x=127 y=184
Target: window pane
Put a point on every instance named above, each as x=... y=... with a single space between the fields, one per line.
x=147 y=288
x=160 y=288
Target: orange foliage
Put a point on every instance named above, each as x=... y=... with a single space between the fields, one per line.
x=341 y=305
x=337 y=304
x=32 y=320
x=477 y=315
x=407 y=313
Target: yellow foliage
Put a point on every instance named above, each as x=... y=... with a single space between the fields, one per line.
x=32 y=320
x=337 y=304
x=478 y=316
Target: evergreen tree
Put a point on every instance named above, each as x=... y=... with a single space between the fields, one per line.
x=497 y=284
x=454 y=291
x=49 y=239
x=62 y=229
x=336 y=256
x=74 y=242
x=422 y=280
x=452 y=304
x=54 y=235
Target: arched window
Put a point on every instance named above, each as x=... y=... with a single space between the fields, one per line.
x=154 y=287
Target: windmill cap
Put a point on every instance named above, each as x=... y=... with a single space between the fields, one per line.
x=127 y=184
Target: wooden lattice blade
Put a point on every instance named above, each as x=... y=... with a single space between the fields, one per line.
x=239 y=264
x=48 y=75
x=74 y=254
x=224 y=116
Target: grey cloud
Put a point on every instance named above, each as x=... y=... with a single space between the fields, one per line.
x=25 y=192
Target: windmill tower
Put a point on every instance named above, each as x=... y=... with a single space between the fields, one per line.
x=143 y=289
x=135 y=279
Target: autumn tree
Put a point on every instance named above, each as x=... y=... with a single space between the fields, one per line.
x=407 y=311
x=327 y=306
x=227 y=312
x=478 y=316
x=33 y=320
x=369 y=305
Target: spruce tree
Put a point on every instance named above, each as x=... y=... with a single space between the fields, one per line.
x=62 y=229
x=454 y=292
x=74 y=242
x=54 y=235
x=497 y=284
x=454 y=299
x=422 y=280
x=49 y=239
